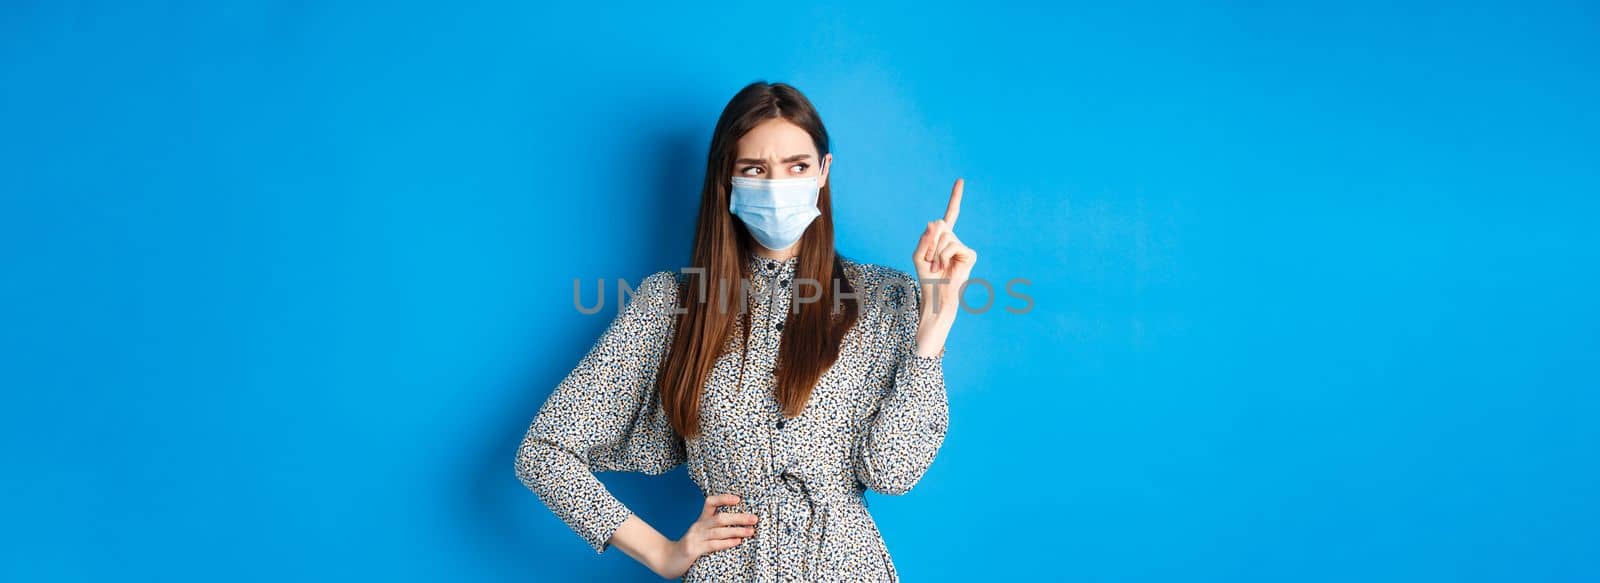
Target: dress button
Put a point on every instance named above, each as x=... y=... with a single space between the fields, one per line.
x=771 y=265
x=784 y=282
x=780 y=424
x=779 y=325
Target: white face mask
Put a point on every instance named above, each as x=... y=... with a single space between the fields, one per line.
x=776 y=211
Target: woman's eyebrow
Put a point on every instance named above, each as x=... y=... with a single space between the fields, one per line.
x=794 y=158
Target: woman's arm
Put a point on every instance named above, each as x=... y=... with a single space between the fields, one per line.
x=903 y=434
x=605 y=416
x=943 y=266
x=671 y=559
x=932 y=330
x=644 y=543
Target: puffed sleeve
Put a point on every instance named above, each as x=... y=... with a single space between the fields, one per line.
x=905 y=427
x=606 y=415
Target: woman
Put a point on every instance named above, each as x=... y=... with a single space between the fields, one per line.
x=789 y=378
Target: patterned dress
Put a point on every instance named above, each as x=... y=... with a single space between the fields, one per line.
x=875 y=420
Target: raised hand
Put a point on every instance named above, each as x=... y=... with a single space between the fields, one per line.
x=943 y=265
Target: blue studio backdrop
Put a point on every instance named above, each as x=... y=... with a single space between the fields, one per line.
x=1313 y=286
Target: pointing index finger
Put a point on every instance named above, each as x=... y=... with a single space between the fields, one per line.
x=954 y=208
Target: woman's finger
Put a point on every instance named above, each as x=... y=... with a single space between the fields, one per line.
x=713 y=501
x=734 y=519
x=730 y=532
x=940 y=229
x=953 y=208
x=942 y=254
x=952 y=250
x=924 y=244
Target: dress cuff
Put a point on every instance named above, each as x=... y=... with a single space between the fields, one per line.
x=607 y=517
x=940 y=355
x=921 y=366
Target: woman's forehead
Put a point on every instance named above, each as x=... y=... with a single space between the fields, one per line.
x=775 y=139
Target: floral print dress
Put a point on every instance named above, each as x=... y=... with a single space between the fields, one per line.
x=875 y=420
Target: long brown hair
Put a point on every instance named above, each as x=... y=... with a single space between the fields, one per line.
x=722 y=248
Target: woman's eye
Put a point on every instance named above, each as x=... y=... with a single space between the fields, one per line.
x=751 y=170
x=799 y=168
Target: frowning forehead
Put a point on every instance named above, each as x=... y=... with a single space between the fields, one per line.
x=786 y=160
x=775 y=141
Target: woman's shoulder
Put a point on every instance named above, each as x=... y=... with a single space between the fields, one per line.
x=662 y=284
x=656 y=293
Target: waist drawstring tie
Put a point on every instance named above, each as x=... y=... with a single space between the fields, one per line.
x=820 y=502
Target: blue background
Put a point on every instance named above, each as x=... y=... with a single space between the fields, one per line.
x=284 y=282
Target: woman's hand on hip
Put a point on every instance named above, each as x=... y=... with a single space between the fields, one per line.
x=714 y=531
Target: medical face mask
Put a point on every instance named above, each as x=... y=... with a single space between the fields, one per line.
x=776 y=211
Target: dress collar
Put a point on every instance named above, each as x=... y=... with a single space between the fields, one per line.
x=764 y=267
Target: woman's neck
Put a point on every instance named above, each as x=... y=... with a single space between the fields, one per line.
x=781 y=255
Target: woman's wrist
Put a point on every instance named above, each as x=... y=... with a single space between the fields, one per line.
x=932 y=330
x=645 y=544
x=660 y=557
